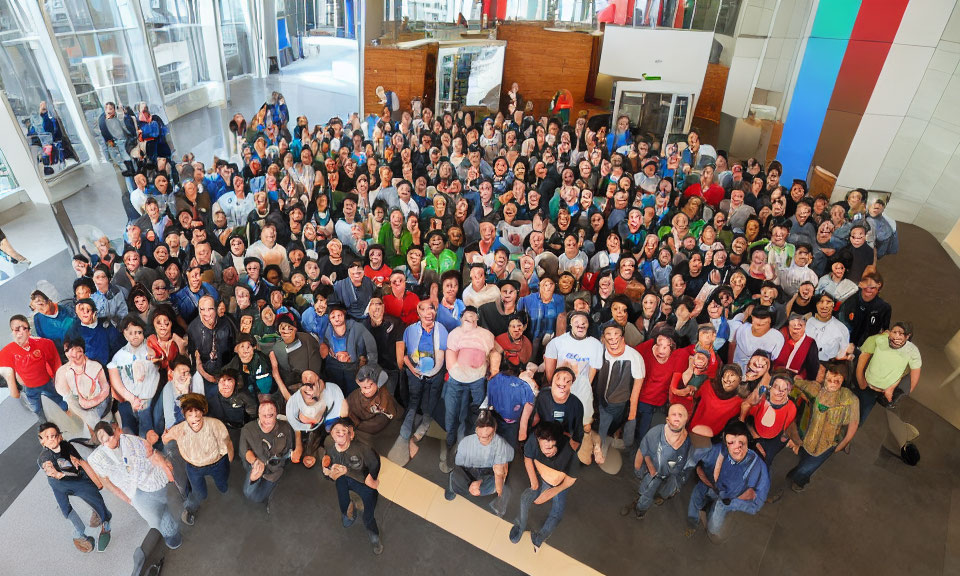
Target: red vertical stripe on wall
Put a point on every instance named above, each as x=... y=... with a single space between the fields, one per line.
x=873 y=33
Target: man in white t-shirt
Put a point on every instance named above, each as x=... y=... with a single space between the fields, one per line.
x=134 y=377
x=469 y=348
x=581 y=353
x=755 y=335
x=309 y=411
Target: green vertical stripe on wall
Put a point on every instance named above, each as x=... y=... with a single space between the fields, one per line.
x=835 y=19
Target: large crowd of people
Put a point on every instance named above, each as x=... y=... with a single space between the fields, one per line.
x=552 y=297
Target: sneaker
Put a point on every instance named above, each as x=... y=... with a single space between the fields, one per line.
x=691 y=528
x=797 y=488
x=376 y=543
x=658 y=500
x=95 y=520
x=515 y=533
x=188 y=517
x=449 y=494
x=175 y=542
x=84 y=544
x=103 y=541
x=537 y=541
x=445 y=466
x=640 y=514
x=499 y=506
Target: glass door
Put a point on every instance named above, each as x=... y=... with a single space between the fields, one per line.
x=661 y=116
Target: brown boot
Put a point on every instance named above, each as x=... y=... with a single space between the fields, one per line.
x=84 y=544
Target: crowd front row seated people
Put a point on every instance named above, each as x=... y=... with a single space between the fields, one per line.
x=550 y=297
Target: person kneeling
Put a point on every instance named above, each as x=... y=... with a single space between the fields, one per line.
x=733 y=478
x=481 y=465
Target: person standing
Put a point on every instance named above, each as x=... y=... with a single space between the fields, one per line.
x=423 y=352
x=205 y=445
x=129 y=467
x=134 y=378
x=354 y=467
x=68 y=474
x=30 y=362
x=469 y=348
x=84 y=386
x=265 y=445
x=885 y=360
x=834 y=419
x=552 y=467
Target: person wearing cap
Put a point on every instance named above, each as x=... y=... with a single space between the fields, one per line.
x=343 y=348
x=134 y=378
x=354 y=467
x=831 y=336
x=205 y=446
x=231 y=403
x=422 y=352
x=310 y=411
x=468 y=359
x=370 y=407
x=254 y=368
x=800 y=352
x=265 y=446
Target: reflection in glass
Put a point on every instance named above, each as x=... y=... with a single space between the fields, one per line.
x=176 y=36
x=237 y=46
x=28 y=79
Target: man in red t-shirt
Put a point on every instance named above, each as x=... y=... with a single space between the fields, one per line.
x=706 y=336
x=711 y=192
x=32 y=362
x=660 y=360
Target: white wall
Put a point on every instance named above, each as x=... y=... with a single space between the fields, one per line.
x=631 y=52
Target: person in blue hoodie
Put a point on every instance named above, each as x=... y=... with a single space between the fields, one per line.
x=102 y=338
x=51 y=320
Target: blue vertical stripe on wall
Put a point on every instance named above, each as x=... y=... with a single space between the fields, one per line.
x=826 y=46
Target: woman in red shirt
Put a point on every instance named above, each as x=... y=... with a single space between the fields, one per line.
x=718 y=402
x=772 y=417
x=400 y=302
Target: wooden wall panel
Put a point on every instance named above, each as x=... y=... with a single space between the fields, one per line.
x=406 y=72
x=711 y=97
x=543 y=61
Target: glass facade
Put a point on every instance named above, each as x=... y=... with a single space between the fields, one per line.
x=105 y=53
x=27 y=77
x=237 y=42
x=175 y=33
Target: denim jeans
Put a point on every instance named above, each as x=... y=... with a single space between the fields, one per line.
x=258 y=490
x=702 y=498
x=368 y=495
x=460 y=481
x=172 y=452
x=558 y=503
x=807 y=465
x=33 y=395
x=651 y=486
x=84 y=489
x=153 y=507
x=645 y=414
x=136 y=422
x=344 y=375
x=771 y=447
x=424 y=394
x=610 y=417
x=509 y=431
x=462 y=401
x=219 y=471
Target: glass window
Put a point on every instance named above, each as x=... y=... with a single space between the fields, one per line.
x=176 y=36
x=8 y=183
x=28 y=78
x=237 y=45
